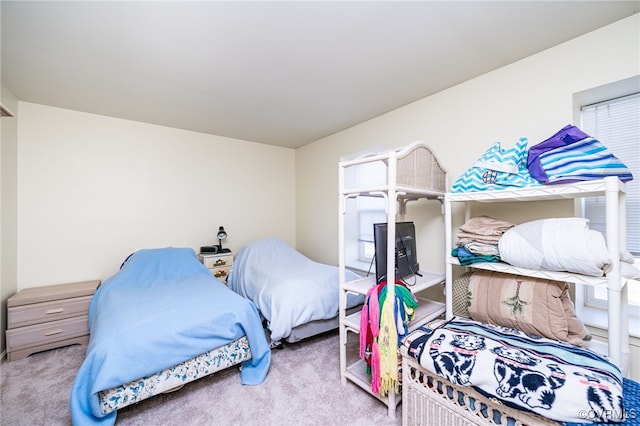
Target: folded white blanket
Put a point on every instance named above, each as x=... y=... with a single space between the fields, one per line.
x=560 y=244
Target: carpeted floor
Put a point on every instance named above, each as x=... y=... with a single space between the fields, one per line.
x=303 y=388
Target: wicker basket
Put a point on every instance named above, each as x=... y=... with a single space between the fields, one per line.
x=428 y=399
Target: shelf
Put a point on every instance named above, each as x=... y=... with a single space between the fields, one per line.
x=357 y=373
x=401 y=192
x=427 y=280
x=549 y=275
x=614 y=193
x=406 y=174
x=542 y=192
x=427 y=310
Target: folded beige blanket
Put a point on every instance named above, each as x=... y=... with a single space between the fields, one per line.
x=483 y=229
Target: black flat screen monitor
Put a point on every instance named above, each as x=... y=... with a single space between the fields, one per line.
x=405 y=257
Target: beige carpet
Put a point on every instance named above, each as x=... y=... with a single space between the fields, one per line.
x=303 y=388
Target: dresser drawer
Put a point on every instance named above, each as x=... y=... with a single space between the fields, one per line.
x=221 y=272
x=49 y=293
x=41 y=334
x=216 y=262
x=36 y=313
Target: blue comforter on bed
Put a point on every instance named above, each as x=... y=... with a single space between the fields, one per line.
x=288 y=288
x=162 y=308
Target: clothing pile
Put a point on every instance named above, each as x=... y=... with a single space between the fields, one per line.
x=570 y=155
x=478 y=240
x=382 y=326
x=498 y=168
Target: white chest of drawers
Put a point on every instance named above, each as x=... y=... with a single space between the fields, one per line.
x=219 y=264
x=48 y=317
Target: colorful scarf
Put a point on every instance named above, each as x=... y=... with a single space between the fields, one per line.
x=388 y=350
x=381 y=326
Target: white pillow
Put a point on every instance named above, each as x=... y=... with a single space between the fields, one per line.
x=556 y=244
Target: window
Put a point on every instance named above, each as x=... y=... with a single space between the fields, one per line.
x=359 y=243
x=370 y=211
x=616 y=124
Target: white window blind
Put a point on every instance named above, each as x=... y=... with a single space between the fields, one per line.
x=359 y=244
x=370 y=210
x=616 y=123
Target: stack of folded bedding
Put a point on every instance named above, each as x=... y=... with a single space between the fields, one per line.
x=477 y=240
x=552 y=244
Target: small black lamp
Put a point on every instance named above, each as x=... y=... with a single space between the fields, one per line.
x=222 y=234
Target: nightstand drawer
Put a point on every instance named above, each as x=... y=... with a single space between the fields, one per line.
x=19 y=316
x=220 y=261
x=221 y=273
x=41 y=334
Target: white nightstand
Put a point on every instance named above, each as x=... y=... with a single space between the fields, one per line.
x=219 y=264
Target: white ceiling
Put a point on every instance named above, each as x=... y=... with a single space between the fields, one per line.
x=281 y=73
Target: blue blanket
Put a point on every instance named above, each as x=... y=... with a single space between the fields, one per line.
x=288 y=288
x=162 y=308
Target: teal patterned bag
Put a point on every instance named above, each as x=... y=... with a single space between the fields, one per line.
x=497 y=169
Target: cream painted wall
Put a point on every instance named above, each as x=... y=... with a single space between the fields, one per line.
x=8 y=201
x=93 y=189
x=530 y=98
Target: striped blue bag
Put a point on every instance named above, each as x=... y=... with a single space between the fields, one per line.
x=498 y=168
x=571 y=155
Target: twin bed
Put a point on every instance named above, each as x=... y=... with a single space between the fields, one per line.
x=163 y=321
x=296 y=296
x=163 y=312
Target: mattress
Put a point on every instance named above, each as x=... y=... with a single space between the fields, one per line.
x=175 y=377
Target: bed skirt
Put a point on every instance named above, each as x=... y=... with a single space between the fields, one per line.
x=175 y=377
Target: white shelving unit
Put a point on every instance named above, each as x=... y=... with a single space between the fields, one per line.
x=614 y=192
x=412 y=173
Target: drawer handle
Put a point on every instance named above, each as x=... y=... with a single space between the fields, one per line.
x=55 y=311
x=52 y=332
